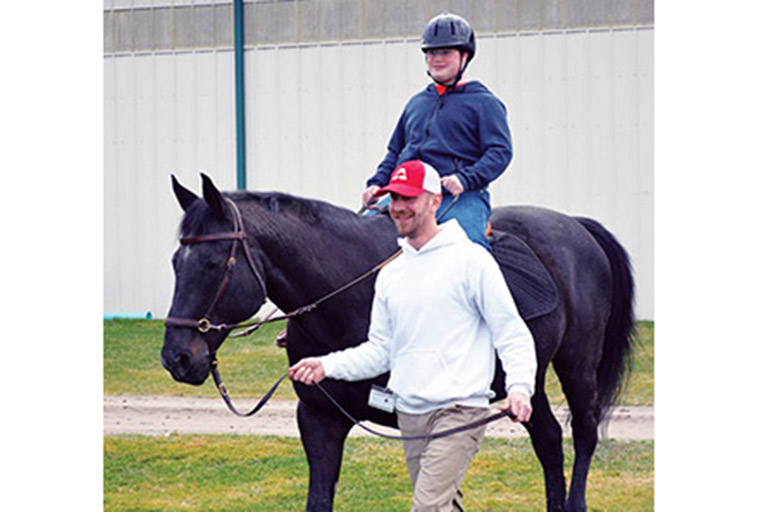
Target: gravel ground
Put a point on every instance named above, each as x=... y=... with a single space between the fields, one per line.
x=160 y=415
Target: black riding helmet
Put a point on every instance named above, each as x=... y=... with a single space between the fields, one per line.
x=448 y=30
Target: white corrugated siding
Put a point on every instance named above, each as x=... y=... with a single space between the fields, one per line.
x=164 y=113
x=319 y=117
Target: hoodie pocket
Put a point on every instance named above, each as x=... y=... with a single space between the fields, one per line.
x=420 y=373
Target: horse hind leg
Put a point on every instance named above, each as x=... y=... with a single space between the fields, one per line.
x=584 y=443
x=547 y=439
x=581 y=394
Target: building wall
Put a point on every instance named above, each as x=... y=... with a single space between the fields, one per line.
x=325 y=83
x=158 y=25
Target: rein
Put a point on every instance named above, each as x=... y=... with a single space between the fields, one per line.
x=435 y=435
x=204 y=325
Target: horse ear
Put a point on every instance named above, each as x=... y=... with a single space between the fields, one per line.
x=184 y=196
x=213 y=197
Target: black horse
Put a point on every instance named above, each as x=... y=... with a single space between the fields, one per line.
x=302 y=249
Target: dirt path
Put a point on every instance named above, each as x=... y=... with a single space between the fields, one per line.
x=158 y=415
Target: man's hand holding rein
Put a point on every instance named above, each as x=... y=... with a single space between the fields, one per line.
x=520 y=405
x=308 y=371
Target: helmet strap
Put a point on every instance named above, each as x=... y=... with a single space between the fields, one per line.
x=449 y=88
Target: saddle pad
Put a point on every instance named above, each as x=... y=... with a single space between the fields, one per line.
x=528 y=279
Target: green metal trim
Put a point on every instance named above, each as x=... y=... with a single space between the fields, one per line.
x=239 y=93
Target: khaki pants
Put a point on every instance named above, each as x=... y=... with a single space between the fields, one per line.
x=438 y=466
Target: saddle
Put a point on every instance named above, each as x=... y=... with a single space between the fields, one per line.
x=528 y=279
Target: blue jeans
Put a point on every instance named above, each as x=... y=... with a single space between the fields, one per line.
x=472 y=210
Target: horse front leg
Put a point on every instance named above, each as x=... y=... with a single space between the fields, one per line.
x=322 y=435
x=547 y=438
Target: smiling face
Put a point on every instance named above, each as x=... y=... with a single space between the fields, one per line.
x=444 y=64
x=414 y=217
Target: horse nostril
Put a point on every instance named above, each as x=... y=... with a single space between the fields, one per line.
x=177 y=363
x=183 y=361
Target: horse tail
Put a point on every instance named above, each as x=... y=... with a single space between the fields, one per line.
x=616 y=360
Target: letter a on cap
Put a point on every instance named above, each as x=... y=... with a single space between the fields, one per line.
x=412 y=178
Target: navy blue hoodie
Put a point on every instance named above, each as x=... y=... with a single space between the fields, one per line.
x=463 y=131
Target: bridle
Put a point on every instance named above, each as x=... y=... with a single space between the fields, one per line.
x=204 y=324
x=238 y=237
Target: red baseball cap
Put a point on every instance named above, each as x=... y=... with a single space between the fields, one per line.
x=411 y=178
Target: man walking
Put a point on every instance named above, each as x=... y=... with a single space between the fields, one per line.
x=440 y=313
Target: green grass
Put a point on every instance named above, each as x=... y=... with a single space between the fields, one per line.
x=238 y=473
x=640 y=389
x=250 y=365
x=234 y=473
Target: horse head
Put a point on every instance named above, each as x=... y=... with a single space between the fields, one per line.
x=212 y=292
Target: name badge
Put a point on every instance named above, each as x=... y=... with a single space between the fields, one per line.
x=382 y=399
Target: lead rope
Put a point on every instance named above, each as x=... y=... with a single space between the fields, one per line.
x=225 y=394
x=436 y=435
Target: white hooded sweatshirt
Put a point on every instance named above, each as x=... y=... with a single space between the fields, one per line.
x=438 y=314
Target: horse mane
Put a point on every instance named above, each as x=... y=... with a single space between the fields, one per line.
x=284 y=218
x=308 y=211
x=305 y=211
